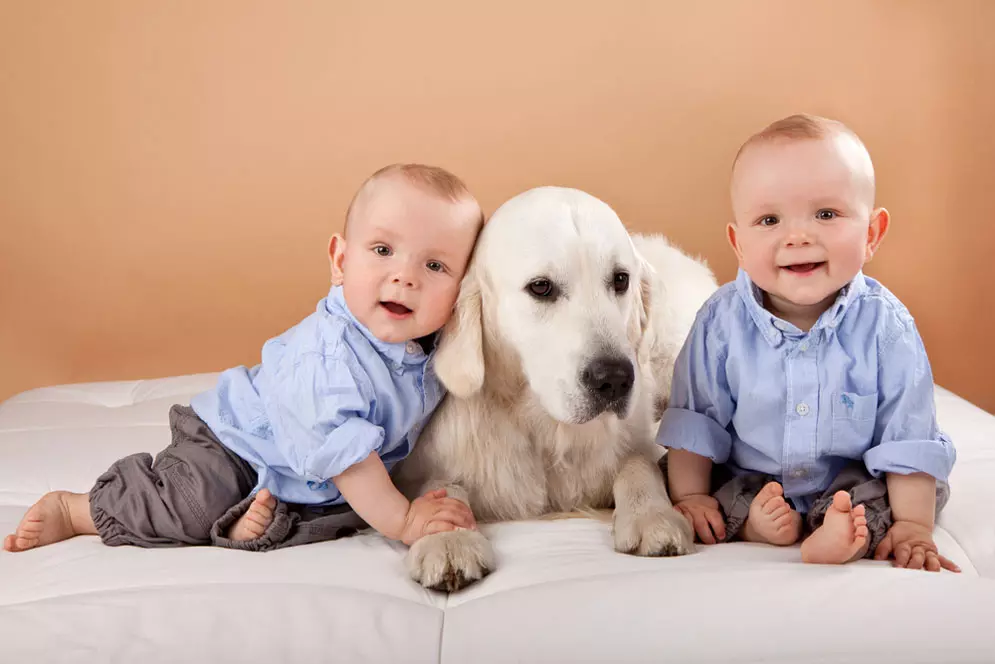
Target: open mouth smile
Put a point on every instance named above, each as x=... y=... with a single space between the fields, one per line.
x=803 y=268
x=396 y=309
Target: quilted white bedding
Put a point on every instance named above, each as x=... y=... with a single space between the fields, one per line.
x=559 y=594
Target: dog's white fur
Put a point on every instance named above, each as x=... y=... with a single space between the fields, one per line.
x=519 y=434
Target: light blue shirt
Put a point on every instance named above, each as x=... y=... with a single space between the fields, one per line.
x=326 y=395
x=755 y=392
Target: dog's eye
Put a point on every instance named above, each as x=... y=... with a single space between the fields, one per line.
x=541 y=288
x=621 y=282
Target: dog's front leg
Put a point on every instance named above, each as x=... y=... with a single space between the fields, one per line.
x=645 y=522
x=452 y=560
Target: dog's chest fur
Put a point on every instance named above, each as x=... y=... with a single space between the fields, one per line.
x=516 y=462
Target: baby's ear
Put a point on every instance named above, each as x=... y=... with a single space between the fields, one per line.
x=876 y=230
x=459 y=361
x=336 y=258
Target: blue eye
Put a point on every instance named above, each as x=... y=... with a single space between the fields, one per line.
x=768 y=221
x=826 y=215
x=382 y=250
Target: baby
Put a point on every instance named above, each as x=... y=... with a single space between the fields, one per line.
x=298 y=449
x=805 y=379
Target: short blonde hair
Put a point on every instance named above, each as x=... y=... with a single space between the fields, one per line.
x=800 y=126
x=432 y=179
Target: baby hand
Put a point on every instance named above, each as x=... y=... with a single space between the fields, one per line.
x=912 y=546
x=435 y=513
x=702 y=511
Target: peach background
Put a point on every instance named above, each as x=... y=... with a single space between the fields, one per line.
x=171 y=171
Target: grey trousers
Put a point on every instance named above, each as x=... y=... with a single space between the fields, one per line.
x=735 y=493
x=193 y=492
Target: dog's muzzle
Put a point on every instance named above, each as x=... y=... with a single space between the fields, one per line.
x=608 y=381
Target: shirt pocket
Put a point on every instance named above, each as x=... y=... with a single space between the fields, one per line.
x=853 y=423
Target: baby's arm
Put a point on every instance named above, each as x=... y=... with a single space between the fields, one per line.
x=693 y=427
x=321 y=414
x=913 y=510
x=913 y=498
x=368 y=489
x=689 y=475
x=909 y=448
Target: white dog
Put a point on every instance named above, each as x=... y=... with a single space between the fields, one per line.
x=558 y=363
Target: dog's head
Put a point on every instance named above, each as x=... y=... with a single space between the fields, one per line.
x=557 y=295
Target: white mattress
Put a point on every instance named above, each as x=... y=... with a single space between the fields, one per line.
x=560 y=594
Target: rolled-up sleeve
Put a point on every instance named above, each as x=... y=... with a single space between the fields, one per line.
x=321 y=417
x=907 y=438
x=700 y=408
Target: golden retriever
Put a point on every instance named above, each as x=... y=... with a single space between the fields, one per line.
x=558 y=363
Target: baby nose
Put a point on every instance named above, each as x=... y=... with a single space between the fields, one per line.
x=798 y=235
x=405 y=276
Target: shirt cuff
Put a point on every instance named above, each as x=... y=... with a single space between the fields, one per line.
x=348 y=444
x=683 y=429
x=904 y=457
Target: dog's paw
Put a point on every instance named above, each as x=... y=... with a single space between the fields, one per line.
x=450 y=561
x=661 y=531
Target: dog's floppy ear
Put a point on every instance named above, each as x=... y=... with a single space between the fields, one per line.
x=644 y=297
x=459 y=361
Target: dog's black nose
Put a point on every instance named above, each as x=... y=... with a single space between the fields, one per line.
x=609 y=379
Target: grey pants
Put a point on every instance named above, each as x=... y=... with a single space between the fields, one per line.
x=193 y=492
x=735 y=493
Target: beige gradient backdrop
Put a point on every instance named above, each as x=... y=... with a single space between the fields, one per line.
x=170 y=171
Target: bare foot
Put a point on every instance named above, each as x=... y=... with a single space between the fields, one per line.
x=58 y=515
x=771 y=519
x=256 y=519
x=841 y=538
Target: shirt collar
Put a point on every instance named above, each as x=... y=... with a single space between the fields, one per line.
x=773 y=328
x=408 y=352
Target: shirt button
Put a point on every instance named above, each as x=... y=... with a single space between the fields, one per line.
x=802 y=409
x=799 y=473
x=803 y=347
x=411 y=347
